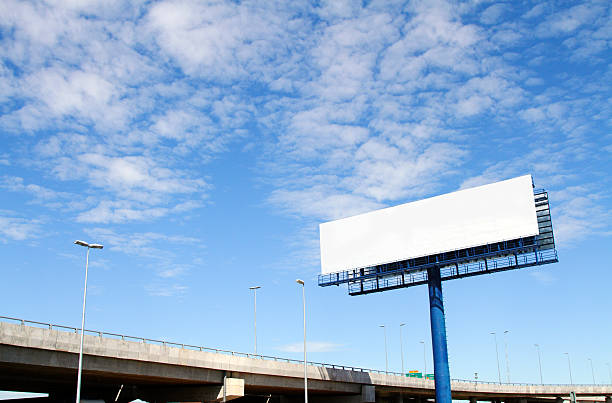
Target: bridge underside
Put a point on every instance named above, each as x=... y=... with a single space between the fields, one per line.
x=54 y=372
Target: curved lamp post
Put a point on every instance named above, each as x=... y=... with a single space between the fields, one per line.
x=402 y=348
x=537 y=346
x=88 y=246
x=569 y=365
x=424 y=360
x=592 y=370
x=255 y=288
x=497 y=357
x=386 y=356
x=506 y=350
x=301 y=282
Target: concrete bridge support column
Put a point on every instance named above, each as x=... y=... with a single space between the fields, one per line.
x=368 y=394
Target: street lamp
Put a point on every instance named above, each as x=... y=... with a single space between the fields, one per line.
x=569 y=365
x=424 y=360
x=255 y=288
x=88 y=246
x=386 y=359
x=592 y=370
x=301 y=282
x=537 y=346
x=497 y=356
x=402 y=348
x=507 y=361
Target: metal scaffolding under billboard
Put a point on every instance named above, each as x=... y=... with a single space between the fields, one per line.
x=482 y=230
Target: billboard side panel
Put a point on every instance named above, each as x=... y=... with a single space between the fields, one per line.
x=486 y=214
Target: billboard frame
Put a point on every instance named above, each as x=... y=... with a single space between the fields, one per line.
x=484 y=259
x=511 y=254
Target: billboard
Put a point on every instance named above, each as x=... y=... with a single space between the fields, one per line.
x=477 y=216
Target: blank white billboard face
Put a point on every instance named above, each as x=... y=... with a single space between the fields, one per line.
x=472 y=217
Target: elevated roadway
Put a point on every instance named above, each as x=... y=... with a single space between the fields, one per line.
x=36 y=357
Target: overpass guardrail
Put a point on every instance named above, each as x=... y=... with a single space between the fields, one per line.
x=123 y=337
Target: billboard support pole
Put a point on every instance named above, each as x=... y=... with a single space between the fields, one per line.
x=438 y=336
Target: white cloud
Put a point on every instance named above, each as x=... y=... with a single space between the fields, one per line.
x=569 y=20
x=164 y=290
x=330 y=9
x=473 y=105
x=432 y=39
x=375 y=107
x=376 y=133
x=18 y=229
x=68 y=92
x=41 y=193
x=388 y=172
x=321 y=202
x=129 y=175
x=216 y=39
x=535 y=11
x=118 y=212
x=92 y=83
x=510 y=36
x=152 y=249
x=493 y=14
x=577 y=214
x=140 y=244
x=173 y=272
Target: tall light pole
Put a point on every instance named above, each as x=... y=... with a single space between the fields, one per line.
x=255 y=288
x=569 y=365
x=424 y=360
x=592 y=370
x=402 y=348
x=507 y=361
x=301 y=282
x=88 y=246
x=386 y=357
x=497 y=356
x=537 y=346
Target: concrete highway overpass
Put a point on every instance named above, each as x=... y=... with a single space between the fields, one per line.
x=38 y=357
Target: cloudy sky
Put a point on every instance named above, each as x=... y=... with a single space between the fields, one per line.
x=203 y=142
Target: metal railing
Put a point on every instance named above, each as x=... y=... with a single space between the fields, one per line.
x=397 y=268
x=407 y=278
x=51 y=326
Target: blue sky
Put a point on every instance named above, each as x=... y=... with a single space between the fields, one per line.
x=203 y=142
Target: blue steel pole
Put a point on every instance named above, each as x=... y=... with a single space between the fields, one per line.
x=438 y=336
